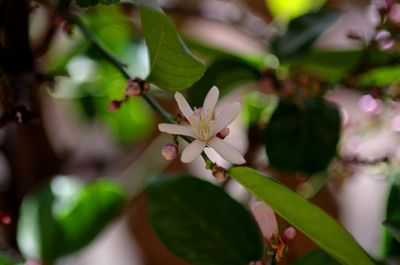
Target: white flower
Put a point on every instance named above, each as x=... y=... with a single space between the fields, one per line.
x=204 y=126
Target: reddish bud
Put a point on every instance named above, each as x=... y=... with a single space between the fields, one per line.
x=170 y=151
x=114 y=105
x=5 y=218
x=224 y=133
x=219 y=173
x=289 y=234
x=133 y=88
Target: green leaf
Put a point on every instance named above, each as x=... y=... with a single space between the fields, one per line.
x=226 y=73
x=200 y=223
x=87 y=3
x=394 y=228
x=97 y=204
x=302 y=138
x=173 y=67
x=64 y=216
x=329 y=65
x=391 y=246
x=306 y=217
x=317 y=257
x=381 y=76
x=302 y=34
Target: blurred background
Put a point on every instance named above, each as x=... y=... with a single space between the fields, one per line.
x=256 y=54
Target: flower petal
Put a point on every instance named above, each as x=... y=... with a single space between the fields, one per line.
x=176 y=129
x=183 y=105
x=265 y=218
x=226 y=150
x=192 y=151
x=211 y=100
x=226 y=117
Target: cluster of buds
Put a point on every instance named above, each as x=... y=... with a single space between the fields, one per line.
x=135 y=87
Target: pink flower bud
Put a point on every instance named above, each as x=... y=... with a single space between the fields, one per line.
x=289 y=234
x=394 y=14
x=114 y=105
x=224 y=133
x=219 y=173
x=133 y=88
x=170 y=151
x=265 y=218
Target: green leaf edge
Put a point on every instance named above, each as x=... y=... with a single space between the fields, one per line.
x=244 y=174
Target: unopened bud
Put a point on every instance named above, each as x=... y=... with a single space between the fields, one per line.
x=68 y=28
x=265 y=218
x=224 y=133
x=394 y=14
x=289 y=234
x=384 y=40
x=114 y=105
x=170 y=151
x=219 y=173
x=5 y=218
x=133 y=88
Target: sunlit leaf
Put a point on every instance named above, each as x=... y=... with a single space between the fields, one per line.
x=172 y=66
x=306 y=217
x=200 y=223
x=48 y=229
x=287 y=10
x=381 y=76
x=302 y=34
x=302 y=137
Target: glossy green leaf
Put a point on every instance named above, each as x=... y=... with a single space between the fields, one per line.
x=226 y=73
x=302 y=138
x=172 y=66
x=306 y=217
x=200 y=223
x=64 y=216
x=87 y=3
x=391 y=246
x=317 y=257
x=302 y=34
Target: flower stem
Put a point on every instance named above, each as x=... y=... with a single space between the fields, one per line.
x=121 y=67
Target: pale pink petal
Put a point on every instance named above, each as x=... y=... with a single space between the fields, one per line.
x=226 y=150
x=226 y=117
x=265 y=218
x=211 y=100
x=176 y=129
x=192 y=151
x=183 y=105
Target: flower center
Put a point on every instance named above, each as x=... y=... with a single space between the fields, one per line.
x=202 y=123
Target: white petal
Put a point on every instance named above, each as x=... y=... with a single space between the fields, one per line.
x=227 y=151
x=176 y=129
x=211 y=100
x=192 y=151
x=183 y=105
x=226 y=117
x=265 y=218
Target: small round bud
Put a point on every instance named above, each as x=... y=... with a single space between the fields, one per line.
x=5 y=218
x=133 y=88
x=170 y=151
x=219 y=173
x=289 y=234
x=224 y=133
x=114 y=105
